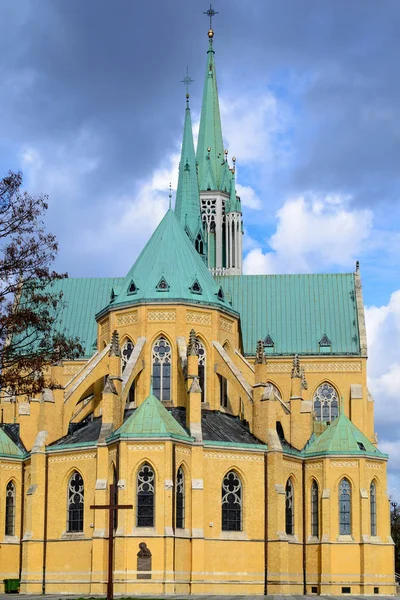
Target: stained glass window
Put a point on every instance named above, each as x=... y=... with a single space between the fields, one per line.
x=231 y=502
x=372 y=504
x=10 y=508
x=75 y=503
x=145 y=497
x=127 y=350
x=345 y=507
x=289 y=512
x=180 y=499
x=201 y=353
x=326 y=403
x=314 y=509
x=162 y=369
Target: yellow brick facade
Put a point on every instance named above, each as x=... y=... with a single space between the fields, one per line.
x=201 y=558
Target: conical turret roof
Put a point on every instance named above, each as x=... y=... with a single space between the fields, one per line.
x=187 y=205
x=210 y=132
x=151 y=420
x=342 y=437
x=168 y=269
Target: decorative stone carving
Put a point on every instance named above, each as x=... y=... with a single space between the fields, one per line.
x=72 y=457
x=144 y=562
x=198 y=318
x=115 y=350
x=318 y=367
x=161 y=315
x=191 y=349
x=260 y=356
x=104 y=327
x=226 y=325
x=127 y=318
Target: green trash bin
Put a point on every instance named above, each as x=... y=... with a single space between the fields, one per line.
x=11 y=586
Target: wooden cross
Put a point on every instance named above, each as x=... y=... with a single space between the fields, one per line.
x=112 y=510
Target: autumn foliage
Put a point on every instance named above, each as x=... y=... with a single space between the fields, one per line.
x=29 y=340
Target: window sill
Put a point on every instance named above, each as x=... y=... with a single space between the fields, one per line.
x=183 y=533
x=144 y=531
x=345 y=538
x=313 y=539
x=292 y=539
x=72 y=535
x=233 y=535
x=10 y=539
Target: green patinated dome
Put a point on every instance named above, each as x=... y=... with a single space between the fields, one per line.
x=169 y=270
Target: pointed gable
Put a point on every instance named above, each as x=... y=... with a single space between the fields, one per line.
x=151 y=420
x=166 y=269
x=342 y=437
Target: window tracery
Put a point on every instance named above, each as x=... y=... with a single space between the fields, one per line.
x=372 y=505
x=180 y=499
x=127 y=350
x=289 y=508
x=314 y=509
x=10 y=508
x=145 y=497
x=326 y=403
x=75 y=503
x=231 y=502
x=162 y=369
x=345 y=507
x=201 y=353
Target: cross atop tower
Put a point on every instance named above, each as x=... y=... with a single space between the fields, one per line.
x=210 y=13
x=187 y=80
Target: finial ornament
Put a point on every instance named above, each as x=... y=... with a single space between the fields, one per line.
x=115 y=349
x=260 y=356
x=210 y=13
x=298 y=372
x=191 y=349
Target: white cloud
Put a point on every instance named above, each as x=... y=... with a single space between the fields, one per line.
x=313 y=233
x=383 y=335
x=252 y=125
x=248 y=196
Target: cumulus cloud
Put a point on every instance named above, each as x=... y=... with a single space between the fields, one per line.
x=249 y=197
x=313 y=233
x=253 y=125
x=383 y=329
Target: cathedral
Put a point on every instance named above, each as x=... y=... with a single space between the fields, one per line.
x=227 y=414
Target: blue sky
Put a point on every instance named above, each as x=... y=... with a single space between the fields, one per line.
x=92 y=110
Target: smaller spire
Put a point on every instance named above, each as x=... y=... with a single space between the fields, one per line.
x=260 y=356
x=115 y=349
x=191 y=349
x=170 y=195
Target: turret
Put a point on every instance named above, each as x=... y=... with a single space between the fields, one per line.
x=233 y=229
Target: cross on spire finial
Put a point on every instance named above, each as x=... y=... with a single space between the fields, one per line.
x=210 y=13
x=187 y=80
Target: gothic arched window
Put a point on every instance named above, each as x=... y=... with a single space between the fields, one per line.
x=75 y=502
x=162 y=369
x=10 y=508
x=345 y=507
x=314 y=509
x=126 y=352
x=231 y=502
x=372 y=506
x=180 y=499
x=201 y=353
x=326 y=403
x=145 y=497
x=289 y=508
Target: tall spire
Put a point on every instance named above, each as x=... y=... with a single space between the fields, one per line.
x=210 y=146
x=187 y=205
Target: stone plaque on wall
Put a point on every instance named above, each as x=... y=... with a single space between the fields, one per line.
x=144 y=562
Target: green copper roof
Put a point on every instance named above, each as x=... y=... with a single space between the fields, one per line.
x=82 y=299
x=342 y=437
x=169 y=269
x=210 y=132
x=187 y=205
x=151 y=420
x=8 y=447
x=295 y=310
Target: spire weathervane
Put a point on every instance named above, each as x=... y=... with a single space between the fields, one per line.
x=187 y=80
x=210 y=13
